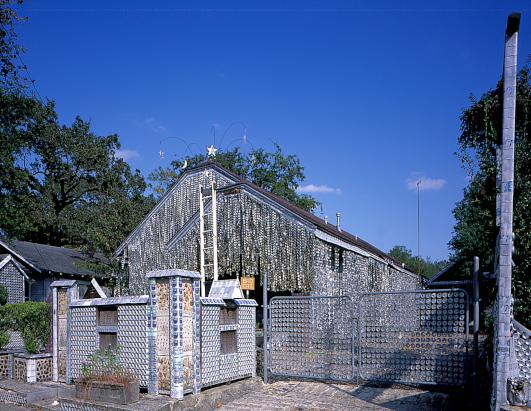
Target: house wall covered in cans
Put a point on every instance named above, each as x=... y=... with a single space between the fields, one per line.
x=258 y=234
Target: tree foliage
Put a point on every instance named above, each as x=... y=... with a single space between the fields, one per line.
x=10 y=64
x=31 y=319
x=425 y=267
x=274 y=171
x=4 y=295
x=63 y=185
x=475 y=230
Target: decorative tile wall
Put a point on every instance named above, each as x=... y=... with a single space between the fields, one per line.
x=210 y=344
x=12 y=279
x=522 y=344
x=218 y=368
x=84 y=337
x=132 y=340
x=15 y=341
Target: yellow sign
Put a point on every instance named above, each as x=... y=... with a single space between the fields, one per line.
x=247 y=283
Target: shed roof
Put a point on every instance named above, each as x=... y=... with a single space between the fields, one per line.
x=47 y=258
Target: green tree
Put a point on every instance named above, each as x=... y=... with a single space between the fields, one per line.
x=274 y=171
x=10 y=63
x=63 y=185
x=475 y=230
x=425 y=267
x=4 y=295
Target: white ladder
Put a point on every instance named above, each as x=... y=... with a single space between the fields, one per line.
x=208 y=234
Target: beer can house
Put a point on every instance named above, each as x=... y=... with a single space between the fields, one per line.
x=223 y=226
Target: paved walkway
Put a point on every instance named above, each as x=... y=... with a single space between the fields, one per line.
x=13 y=407
x=321 y=396
x=252 y=394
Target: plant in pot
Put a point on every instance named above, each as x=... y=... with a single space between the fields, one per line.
x=32 y=320
x=104 y=379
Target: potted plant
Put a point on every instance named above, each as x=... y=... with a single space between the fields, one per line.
x=104 y=379
x=32 y=320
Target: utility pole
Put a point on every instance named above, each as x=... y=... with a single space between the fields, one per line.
x=418 y=226
x=504 y=301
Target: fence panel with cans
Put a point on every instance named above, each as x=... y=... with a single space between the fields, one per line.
x=415 y=337
x=312 y=337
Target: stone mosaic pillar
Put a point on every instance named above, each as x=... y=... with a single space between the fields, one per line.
x=174 y=333
x=63 y=293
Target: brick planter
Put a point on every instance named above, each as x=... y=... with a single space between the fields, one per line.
x=115 y=393
x=32 y=367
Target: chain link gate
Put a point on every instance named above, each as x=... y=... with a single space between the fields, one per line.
x=415 y=337
x=312 y=337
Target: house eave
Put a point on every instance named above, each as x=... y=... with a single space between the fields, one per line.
x=11 y=251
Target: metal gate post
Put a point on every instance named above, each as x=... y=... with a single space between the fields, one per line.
x=265 y=345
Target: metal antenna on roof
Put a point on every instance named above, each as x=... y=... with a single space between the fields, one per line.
x=187 y=150
x=229 y=127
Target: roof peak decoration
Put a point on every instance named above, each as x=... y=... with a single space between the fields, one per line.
x=211 y=151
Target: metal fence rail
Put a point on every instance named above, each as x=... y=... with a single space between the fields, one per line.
x=312 y=337
x=416 y=337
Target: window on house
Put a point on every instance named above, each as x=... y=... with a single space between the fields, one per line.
x=336 y=259
x=228 y=342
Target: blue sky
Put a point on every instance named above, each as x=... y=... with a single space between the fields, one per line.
x=367 y=94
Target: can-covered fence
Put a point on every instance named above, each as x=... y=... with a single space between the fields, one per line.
x=171 y=341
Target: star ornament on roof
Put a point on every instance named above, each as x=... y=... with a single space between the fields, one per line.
x=212 y=151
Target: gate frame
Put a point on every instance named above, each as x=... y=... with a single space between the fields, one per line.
x=467 y=321
x=353 y=321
